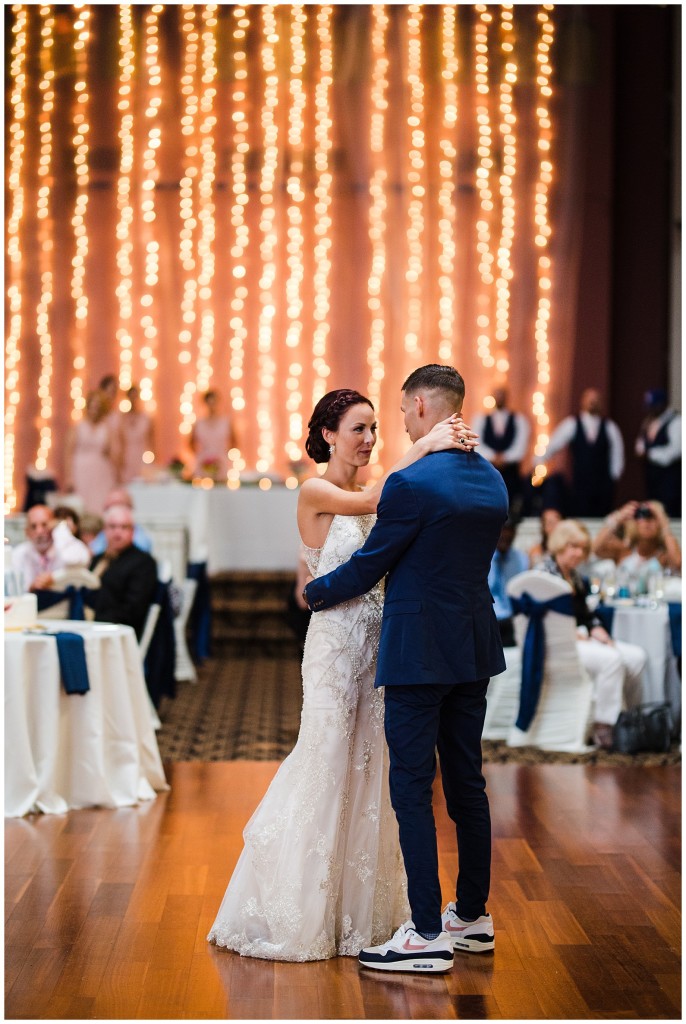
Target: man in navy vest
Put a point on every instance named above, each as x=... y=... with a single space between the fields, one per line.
x=596 y=448
x=504 y=437
x=659 y=444
x=438 y=523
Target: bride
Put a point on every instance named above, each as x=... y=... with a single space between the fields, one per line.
x=321 y=872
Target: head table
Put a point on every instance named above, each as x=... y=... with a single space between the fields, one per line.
x=66 y=751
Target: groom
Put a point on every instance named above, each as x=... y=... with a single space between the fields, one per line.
x=438 y=523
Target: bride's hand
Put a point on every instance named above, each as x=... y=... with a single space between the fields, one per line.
x=451 y=433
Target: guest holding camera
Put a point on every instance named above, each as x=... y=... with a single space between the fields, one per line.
x=638 y=537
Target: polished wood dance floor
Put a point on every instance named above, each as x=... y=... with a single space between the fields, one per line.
x=107 y=911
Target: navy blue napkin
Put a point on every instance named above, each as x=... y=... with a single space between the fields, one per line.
x=71 y=652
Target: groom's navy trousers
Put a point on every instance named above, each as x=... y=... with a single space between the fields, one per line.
x=438 y=524
x=418 y=720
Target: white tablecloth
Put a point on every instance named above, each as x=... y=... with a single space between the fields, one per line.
x=67 y=751
x=247 y=529
x=649 y=628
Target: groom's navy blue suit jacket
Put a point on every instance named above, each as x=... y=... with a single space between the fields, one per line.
x=438 y=523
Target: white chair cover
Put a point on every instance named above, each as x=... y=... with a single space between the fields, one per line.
x=502 y=699
x=565 y=708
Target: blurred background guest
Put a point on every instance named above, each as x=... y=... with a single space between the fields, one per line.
x=596 y=450
x=659 y=445
x=504 y=437
x=638 y=537
x=550 y=517
x=211 y=439
x=90 y=525
x=109 y=389
x=92 y=455
x=614 y=666
x=50 y=545
x=120 y=496
x=128 y=576
x=507 y=562
x=136 y=437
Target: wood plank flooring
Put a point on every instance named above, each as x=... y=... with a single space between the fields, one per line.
x=107 y=911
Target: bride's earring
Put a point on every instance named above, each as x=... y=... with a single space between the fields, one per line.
x=332 y=449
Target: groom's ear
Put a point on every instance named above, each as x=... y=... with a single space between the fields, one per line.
x=420 y=405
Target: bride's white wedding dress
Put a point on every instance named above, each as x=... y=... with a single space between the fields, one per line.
x=321 y=871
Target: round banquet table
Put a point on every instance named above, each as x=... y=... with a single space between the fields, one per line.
x=65 y=751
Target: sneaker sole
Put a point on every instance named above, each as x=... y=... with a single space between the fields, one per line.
x=485 y=944
x=437 y=965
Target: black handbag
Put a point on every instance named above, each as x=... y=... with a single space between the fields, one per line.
x=647 y=727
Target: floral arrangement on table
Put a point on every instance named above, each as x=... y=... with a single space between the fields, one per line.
x=210 y=468
x=176 y=468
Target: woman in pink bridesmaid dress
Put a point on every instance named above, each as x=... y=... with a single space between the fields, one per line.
x=136 y=437
x=92 y=455
x=211 y=439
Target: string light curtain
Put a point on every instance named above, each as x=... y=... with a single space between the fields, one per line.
x=273 y=201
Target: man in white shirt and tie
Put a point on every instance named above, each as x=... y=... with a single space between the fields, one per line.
x=504 y=440
x=596 y=448
x=49 y=546
x=659 y=444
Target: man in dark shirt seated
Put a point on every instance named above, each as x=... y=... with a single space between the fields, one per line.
x=128 y=576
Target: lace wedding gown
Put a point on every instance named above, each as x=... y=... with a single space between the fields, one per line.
x=321 y=872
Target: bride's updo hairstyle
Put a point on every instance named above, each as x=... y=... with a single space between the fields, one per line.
x=326 y=416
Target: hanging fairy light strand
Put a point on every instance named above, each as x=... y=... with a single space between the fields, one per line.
x=124 y=290
x=16 y=189
x=446 y=191
x=322 y=208
x=78 y=220
x=241 y=232
x=266 y=367
x=45 y=238
x=506 y=180
x=187 y=210
x=416 y=184
x=296 y=241
x=378 y=208
x=206 y=205
x=483 y=185
x=542 y=233
x=152 y=70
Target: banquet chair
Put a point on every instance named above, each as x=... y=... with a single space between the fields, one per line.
x=69 y=590
x=502 y=698
x=184 y=669
x=564 y=712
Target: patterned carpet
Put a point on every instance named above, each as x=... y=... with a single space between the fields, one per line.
x=246 y=706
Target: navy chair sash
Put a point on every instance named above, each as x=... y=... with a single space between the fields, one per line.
x=71 y=652
x=79 y=598
x=533 y=655
x=675 y=626
x=200 y=618
x=49 y=598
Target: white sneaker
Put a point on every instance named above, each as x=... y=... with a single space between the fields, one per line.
x=474 y=936
x=409 y=951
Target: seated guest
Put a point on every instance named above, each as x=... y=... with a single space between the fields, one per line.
x=550 y=517
x=49 y=546
x=90 y=526
x=614 y=666
x=639 y=538
x=128 y=576
x=506 y=563
x=120 y=496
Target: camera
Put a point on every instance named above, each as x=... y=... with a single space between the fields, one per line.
x=644 y=512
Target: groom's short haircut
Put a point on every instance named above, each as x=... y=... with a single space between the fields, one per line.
x=434 y=377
